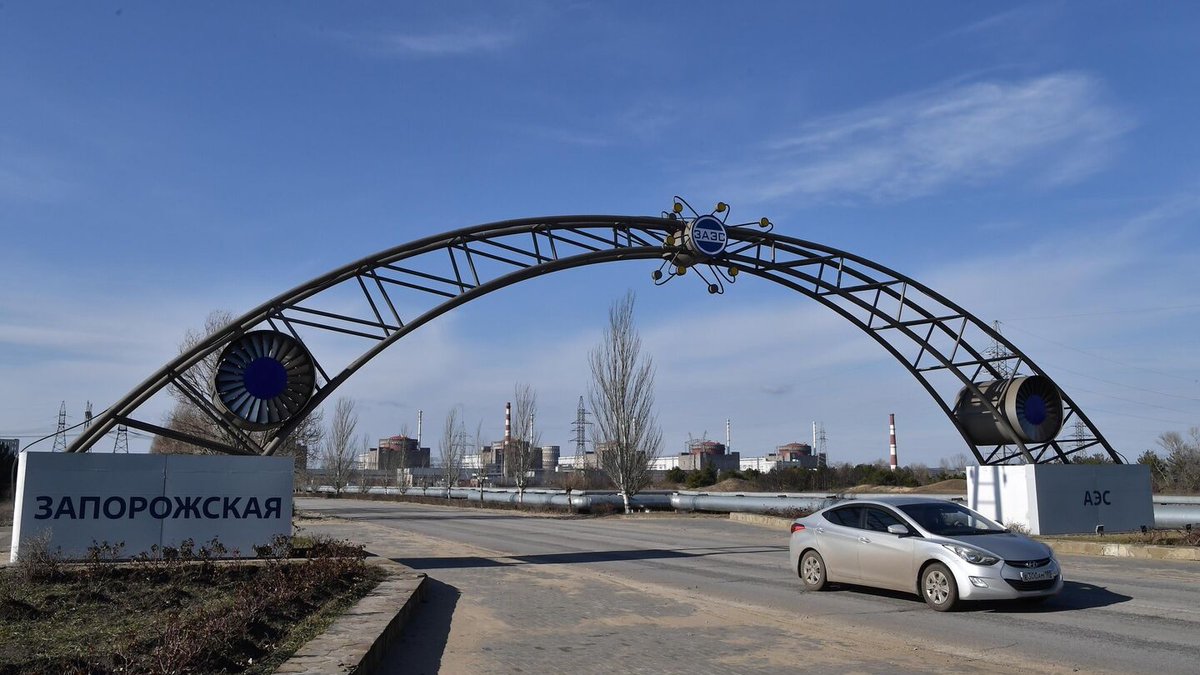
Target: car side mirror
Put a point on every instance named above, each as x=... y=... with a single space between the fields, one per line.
x=898 y=529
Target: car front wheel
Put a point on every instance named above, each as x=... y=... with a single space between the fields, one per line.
x=812 y=571
x=939 y=588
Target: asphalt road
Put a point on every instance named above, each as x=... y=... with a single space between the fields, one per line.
x=680 y=594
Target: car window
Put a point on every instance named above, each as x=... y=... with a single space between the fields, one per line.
x=950 y=519
x=849 y=516
x=879 y=519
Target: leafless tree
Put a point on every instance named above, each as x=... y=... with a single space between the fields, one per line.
x=956 y=464
x=453 y=448
x=338 y=452
x=622 y=398
x=400 y=468
x=1182 y=462
x=523 y=453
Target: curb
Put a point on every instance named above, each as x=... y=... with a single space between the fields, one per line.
x=356 y=640
x=1065 y=547
x=1140 y=551
x=784 y=524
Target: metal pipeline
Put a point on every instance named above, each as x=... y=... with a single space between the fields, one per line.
x=1170 y=511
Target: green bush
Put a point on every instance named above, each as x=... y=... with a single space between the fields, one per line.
x=704 y=477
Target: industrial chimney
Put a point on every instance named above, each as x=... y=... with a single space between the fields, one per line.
x=507 y=424
x=892 y=433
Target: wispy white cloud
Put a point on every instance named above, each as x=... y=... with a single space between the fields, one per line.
x=1055 y=129
x=1022 y=19
x=447 y=43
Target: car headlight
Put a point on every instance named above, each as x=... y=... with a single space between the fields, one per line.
x=973 y=555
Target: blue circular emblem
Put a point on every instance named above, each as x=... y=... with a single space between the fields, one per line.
x=1035 y=409
x=707 y=236
x=265 y=377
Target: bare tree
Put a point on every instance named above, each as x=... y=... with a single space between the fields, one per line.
x=622 y=398
x=523 y=454
x=400 y=469
x=955 y=464
x=338 y=452
x=1182 y=461
x=453 y=448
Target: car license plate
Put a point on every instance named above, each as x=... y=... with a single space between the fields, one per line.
x=1037 y=576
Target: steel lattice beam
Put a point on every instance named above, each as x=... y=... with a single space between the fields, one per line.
x=384 y=297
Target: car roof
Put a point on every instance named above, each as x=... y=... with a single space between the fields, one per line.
x=893 y=501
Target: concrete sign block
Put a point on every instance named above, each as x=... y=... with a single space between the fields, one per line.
x=1063 y=498
x=81 y=499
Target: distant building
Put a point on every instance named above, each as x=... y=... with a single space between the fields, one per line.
x=704 y=453
x=791 y=455
x=396 y=452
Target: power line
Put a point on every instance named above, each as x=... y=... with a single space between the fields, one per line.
x=1141 y=417
x=1140 y=310
x=1105 y=358
x=1130 y=400
x=1126 y=386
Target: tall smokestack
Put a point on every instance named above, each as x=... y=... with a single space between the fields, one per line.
x=814 y=445
x=419 y=414
x=507 y=423
x=727 y=439
x=892 y=433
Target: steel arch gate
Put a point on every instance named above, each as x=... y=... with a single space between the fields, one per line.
x=382 y=298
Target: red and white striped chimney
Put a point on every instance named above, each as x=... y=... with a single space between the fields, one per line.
x=892 y=433
x=507 y=423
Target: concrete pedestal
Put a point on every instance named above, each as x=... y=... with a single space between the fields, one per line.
x=1063 y=498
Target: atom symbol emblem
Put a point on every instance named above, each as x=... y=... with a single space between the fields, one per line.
x=701 y=242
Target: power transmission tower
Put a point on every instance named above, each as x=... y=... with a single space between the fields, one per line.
x=822 y=460
x=60 y=436
x=1081 y=433
x=999 y=355
x=87 y=415
x=122 y=444
x=580 y=426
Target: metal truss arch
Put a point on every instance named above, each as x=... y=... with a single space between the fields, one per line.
x=386 y=296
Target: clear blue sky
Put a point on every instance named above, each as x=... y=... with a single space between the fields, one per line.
x=1037 y=163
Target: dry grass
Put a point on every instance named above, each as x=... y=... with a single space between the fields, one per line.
x=182 y=614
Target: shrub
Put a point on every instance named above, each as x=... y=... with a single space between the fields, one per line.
x=37 y=562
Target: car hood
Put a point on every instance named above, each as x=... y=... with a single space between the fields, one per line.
x=1008 y=546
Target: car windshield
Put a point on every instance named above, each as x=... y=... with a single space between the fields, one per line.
x=950 y=519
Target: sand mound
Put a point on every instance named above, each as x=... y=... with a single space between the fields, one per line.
x=955 y=486
x=731 y=485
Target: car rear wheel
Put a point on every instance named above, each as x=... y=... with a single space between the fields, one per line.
x=939 y=588
x=812 y=571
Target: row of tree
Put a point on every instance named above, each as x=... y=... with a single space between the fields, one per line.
x=621 y=394
x=1177 y=469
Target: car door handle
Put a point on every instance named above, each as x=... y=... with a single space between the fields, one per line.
x=820 y=530
x=864 y=540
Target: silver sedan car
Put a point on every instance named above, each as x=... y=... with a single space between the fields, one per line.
x=938 y=549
